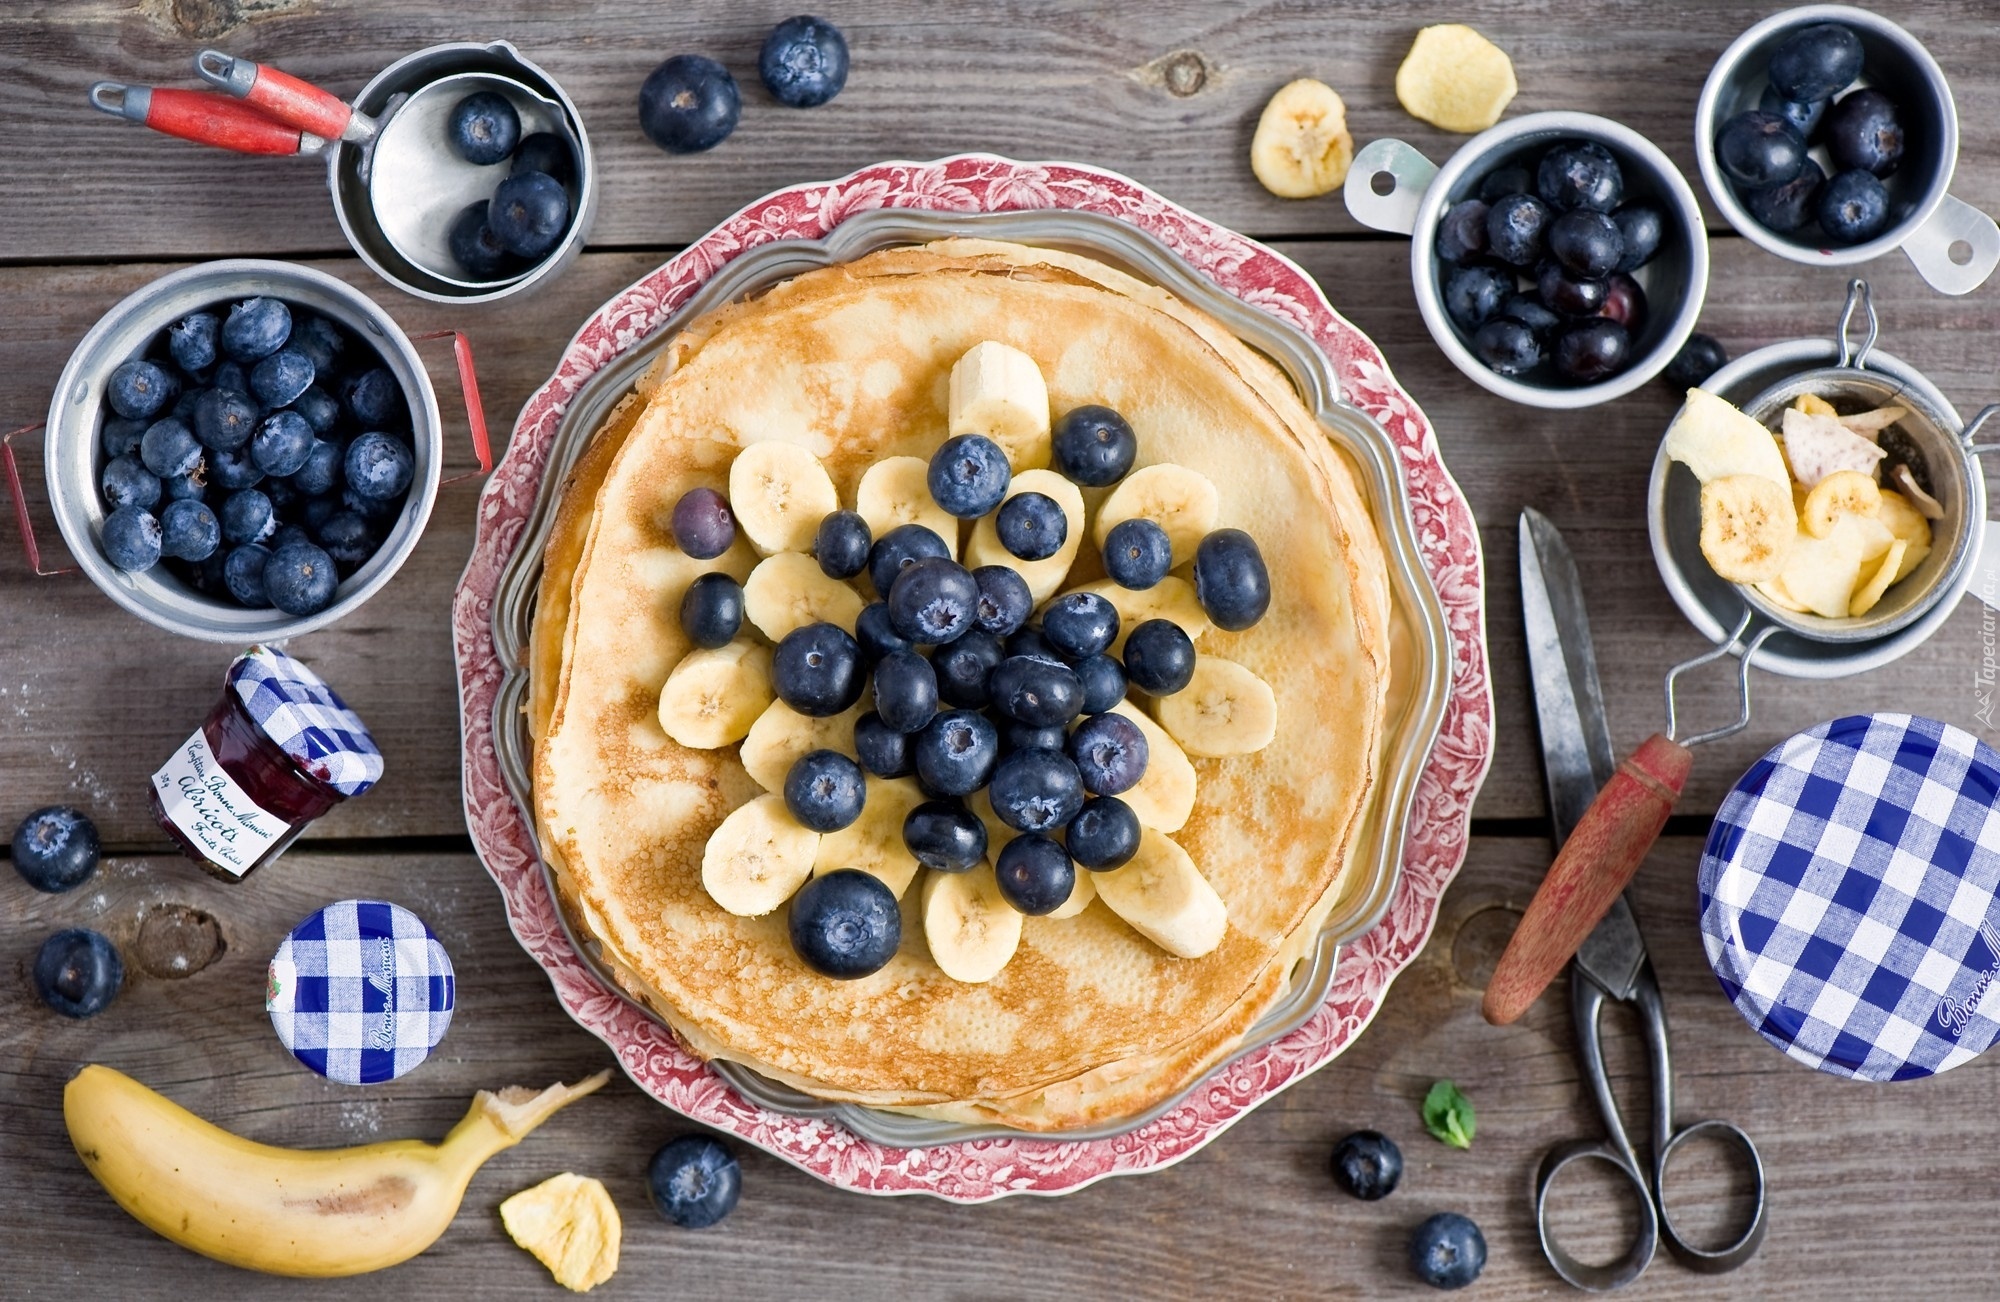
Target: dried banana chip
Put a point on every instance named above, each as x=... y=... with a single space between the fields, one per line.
x=1302 y=148
x=571 y=1226
x=1904 y=520
x=1822 y=573
x=1747 y=527
x=1456 y=79
x=1886 y=573
x=1814 y=405
x=1842 y=493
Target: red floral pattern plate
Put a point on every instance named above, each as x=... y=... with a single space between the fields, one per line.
x=979 y=1170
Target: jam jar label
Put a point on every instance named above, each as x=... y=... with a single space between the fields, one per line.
x=203 y=801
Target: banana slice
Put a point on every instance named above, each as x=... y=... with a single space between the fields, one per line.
x=1179 y=500
x=713 y=697
x=1164 y=898
x=1080 y=898
x=971 y=930
x=998 y=391
x=1046 y=575
x=1844 y=492
x=570 y=1225
x=780 y=492
x=1886 y=573
x=1712 y=438
x=1171 y=598
x=897 y=491
x=1904 y=520
x=1814 y=405
x=1165 y=796
x=1302 y=148
x=1225 y=710
x=757 y=858
x=789 y=591
x=782 y=735
x=1748 y=528
x=1822 y=573
x=874 y=842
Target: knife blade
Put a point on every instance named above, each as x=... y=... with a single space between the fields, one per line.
x=1570 y=717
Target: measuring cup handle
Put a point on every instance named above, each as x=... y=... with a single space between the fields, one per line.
x=475 y=409
x=1597 y=861
x=283 y=97
x=28 y=543
x=203 y=117
x=1395 y=209
x=1955 y=223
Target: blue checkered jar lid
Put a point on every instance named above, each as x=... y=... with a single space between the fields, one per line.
x=307 y=719
x=1847 y=896
x=361 y=991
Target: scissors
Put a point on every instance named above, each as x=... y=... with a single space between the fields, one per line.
x=1612 y=962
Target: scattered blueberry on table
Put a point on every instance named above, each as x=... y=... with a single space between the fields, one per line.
x=78 y=972
x=1368 y=1165
x=55 y=848
x=803 y=62
x=1447 y=1251
x=689 y=104
x=694 y=1181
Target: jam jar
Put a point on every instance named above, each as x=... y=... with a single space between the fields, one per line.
x=279 y=749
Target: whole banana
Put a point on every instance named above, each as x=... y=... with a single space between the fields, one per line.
x=342 y=1211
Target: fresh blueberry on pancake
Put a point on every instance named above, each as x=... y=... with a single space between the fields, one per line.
x=969 y=475
x=955 y=753
x=875 y=635
x=884 y=752
x=1035 y=874
x=932 y=601
x=694 y=1181
x=1036 y=790
x=1094 y=446
x=1031 y=526
x=899 y=548
x=817 y=670
x=1004 y=600
x=1110 y=753
x=845 y=924
x=842 y=544
x=965 y=669
x=1159 y=657
x=704 y=527
x=1230 y=580
x=824 y=790
x=1040 y=693
x=1104 y=834
x=1080 y=624
x=712 y=610
x=1030 y=642
x=906 y=690
x=1137 y=553
x=1103 y=680
x=945 y=835
x=1021 y=736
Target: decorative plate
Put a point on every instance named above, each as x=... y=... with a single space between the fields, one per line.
x=981 y=1170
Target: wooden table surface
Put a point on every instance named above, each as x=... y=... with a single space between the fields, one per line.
x=1876 y=1191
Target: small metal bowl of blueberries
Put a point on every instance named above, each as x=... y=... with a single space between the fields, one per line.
x=1827 y=135
x=1559 y=259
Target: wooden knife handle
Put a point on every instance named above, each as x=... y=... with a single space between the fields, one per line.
x=1596 y=862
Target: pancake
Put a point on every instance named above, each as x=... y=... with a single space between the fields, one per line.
x=1089 y=1021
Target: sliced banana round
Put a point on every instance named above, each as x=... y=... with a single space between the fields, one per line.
x=971 y=930
x=1164 y=898
x=1302 y=148
x=1749 y=528
x=1181 y=501
x=897 y=491
x=713 y=697
x=998 y=391
x=1045 y=576
x=1080 y=898
x=780 y=492
x=757 y=858
x=1224 y=710
x=1164 y=797
x=789 y=591
x=874 y=842
x=1171 y=598
x=781 y=736
x=1844 y=492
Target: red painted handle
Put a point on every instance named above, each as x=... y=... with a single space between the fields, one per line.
x=210 y=119
x=284 y=98
x=28 y=543
x=475 y=410
x=1595 y=864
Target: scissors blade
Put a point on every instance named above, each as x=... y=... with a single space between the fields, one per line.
x=1576 y=740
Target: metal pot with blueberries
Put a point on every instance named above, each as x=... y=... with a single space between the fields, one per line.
x=1559 y=259
x=460 y=174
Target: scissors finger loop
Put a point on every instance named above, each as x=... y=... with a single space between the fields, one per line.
x=1584 y=1275
x=1744 y=1247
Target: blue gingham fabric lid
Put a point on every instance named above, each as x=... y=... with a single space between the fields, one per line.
x=307 y=719
x=1847 y=896
x=361 y=991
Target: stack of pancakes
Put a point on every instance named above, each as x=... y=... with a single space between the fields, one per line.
x=1090 y=1021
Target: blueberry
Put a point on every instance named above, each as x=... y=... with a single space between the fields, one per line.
x=845 y=924
x=883 y=751
x=824 y=790
x=1640 y=227
x=1137 y=553
x=969 y=475
x=313 y=513
x=1040 y=693
x=1093 y=446
x=78 y=972
x=321 y=340
x=169 y=448
x=529 y=214
x=290 y=533
x=1506 y=347
x=1104 y=834
x=1580 y=175
x=803 y=62
x=1586 y=242
x=1037 y=790
x=181 y=487
x=182 y=410
x=138 y=389
x=704 y=527
x=375 y=510
x=1005 y=600
x=1368 y=1165
x=1447 y=1251
x=243 y=575
x=474 y=247
x=377 y=465
x=132 y=539
x=319 y=409
x=842 y=544
x=1110 y=752
x=1592 y=350
x=300 y=579
x=1031 y=526
x=1461 y=233
x=1159 y=657
x=230 y=375
x=246 y=517
x=688 y=104
x=1853 y=208
x=347 y=538
x=232 y=468
x=817 y=670
x=1863 y=132
x=1021 y=736
x=55 y=849
x=1516 y=226
x=320 y=473
x=1230 y=580
x=899 y=548
x=375 y=401
x=1815 y=62
x=120 y=436
x=191 y=341
x=965 y=669
x=1473 y=295
x=906 y=690
x=932 y=601
x=189 y=531
x=1625 y=303
x=1504 y=181
x=1103 y=680
x=875 y=635
x=256 y=327
x=1532 y=313
x=1804 y=117
x=1570 y=295
x=944 y=835
x=955 y=753
x=1034 y=874
x=225 y=419
x=483 y=127
x=284 y=441
x=548 y=153
x=127 y=482
x=712 y=610
x=1080 y=624
x=279 y=379
x=1030 y=642
x=1700 y=357
x=694 y=1181
x=1757 y=149
x=1788 y=207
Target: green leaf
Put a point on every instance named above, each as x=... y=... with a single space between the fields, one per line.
x=1448 y=1115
